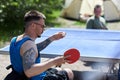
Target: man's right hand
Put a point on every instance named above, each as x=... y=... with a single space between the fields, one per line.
x=57 y=36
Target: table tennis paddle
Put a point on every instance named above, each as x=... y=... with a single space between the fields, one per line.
x=74 y=55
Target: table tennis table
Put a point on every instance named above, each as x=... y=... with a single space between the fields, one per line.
x=94 y=45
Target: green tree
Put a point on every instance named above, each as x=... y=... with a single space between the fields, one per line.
x=12 y=12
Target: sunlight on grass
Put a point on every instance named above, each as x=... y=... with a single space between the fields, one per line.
x=54 y=22
x=79 y=23
x=56 y=13
x=3 y=44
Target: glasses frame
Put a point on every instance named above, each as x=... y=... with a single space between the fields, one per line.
x=43 y=26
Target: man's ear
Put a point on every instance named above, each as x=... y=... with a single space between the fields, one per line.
x=33 y=26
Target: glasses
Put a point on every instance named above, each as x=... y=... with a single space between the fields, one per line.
x=43 y=26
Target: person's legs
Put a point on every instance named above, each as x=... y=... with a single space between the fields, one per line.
x=59 y=74
x=69 y=72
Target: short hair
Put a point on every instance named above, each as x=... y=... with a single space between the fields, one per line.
x=33 y=15
x=97 y=6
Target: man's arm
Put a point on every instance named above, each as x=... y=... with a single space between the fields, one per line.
x=104 y=26
x=103 y=23
x=29 y=58
x=44 y=44
x=29 y=54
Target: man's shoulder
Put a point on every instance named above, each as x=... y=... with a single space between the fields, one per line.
x=102 y=19
x=28 y=45
x=91 y=18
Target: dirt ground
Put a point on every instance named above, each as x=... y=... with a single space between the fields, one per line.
x=79 y=65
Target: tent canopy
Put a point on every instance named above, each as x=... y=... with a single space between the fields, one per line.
x=82 y=9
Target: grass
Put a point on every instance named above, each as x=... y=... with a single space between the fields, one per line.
x=56 y=13
x=62 y=22
x=79 y=23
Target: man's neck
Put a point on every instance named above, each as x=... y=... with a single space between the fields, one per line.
x=96 y=16
x=27 y=35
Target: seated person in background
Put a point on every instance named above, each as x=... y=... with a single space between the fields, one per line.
x=96 y=21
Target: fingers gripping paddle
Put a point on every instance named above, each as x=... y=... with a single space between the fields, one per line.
x=74 y=55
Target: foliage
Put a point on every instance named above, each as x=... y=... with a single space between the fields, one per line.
x=80 y=23
x=12 y=12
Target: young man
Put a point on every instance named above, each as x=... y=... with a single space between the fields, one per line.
x=96 y=21
x=25 y=56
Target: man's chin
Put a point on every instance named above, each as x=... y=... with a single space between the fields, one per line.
x=39 y=36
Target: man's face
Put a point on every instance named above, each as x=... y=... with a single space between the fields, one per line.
x=40 y=25
x=97 y=12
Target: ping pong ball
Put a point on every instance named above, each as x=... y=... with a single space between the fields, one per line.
x=63 y=33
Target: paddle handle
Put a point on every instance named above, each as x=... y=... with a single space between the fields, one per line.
x=58 y=66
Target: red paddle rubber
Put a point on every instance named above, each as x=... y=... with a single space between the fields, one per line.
x=74 y=55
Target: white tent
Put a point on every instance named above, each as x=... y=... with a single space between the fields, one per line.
x=112 y=10
x=82 y=9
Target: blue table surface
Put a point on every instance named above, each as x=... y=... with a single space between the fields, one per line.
x=85 y=33
x=90 y=43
